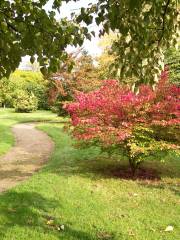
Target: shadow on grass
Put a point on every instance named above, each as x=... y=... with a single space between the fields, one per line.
x=91 y=162
x=173 y=187
x=76 y=162
x=104 y=168
x=31 y=211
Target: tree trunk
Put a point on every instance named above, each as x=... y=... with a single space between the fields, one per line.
x=133 y=165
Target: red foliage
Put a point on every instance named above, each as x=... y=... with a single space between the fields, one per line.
x=110 y=113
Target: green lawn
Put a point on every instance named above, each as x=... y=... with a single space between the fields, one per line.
x=77 y=191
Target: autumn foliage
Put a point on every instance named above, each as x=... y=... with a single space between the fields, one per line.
x=116 y=117
x=65 y=83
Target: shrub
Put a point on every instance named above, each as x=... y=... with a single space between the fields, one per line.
x=59 y=109
x=25 y=102
x=115 y=118
x=27 y=81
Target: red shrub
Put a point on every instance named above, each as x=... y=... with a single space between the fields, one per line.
x=115 y=115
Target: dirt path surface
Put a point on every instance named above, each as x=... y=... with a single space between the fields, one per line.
x=32 y=149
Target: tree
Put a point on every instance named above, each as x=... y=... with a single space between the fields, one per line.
x=106 y=68
x=27 y=29
x=115 y=118
x=144 y=29
x=64 y=84
x=107 y=58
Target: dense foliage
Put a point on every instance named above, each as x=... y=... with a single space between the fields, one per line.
x=114 y=117
x=27 y=29
x=172 y=61
x=5 y=92
x=25 y=102
x=106 y=68
x=105 y=61
x=143 y=28
x=64 y=83
x=28 y=81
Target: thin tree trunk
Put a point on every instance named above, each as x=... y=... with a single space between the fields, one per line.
x=133 y=166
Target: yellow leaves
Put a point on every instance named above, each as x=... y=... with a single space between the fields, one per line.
x=107 y=40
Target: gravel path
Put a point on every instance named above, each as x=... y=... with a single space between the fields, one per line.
x=32 y=149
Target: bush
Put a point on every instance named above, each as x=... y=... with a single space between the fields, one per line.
x=40 y=91
x=115 y=118
x=25 y=102
x=26 y=81
x=59 y=109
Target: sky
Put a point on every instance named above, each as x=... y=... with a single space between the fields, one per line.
x=65 y=11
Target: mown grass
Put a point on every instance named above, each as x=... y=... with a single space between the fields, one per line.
x=77 y=190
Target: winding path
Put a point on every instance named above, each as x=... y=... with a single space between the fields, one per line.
x=32 y=149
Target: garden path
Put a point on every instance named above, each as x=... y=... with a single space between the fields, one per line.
x=32 y=149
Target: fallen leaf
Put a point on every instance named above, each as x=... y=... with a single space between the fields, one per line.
x=50 y=222
x=135 y=194
x=61 y=227
x=169 y=229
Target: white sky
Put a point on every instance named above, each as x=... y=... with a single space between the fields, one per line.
x=65 y=11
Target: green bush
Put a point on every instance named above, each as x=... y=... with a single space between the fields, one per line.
x=167 y=133
x=25 y=102
x=58 y=108
x=27 y=81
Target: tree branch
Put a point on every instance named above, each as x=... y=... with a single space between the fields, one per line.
x=163 y=23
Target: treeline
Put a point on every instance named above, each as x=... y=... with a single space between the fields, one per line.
x=28 y=91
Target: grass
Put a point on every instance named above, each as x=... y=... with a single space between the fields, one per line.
x=77 y=190
x=8 y=118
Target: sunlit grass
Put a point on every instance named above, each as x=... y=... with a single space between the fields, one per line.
x=77 y=191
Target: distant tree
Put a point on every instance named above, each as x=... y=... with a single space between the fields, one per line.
x=83 y=77
x=85 y=73
x=106 y=59
x=172 y=60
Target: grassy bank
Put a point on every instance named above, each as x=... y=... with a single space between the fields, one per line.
x=77 y=197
